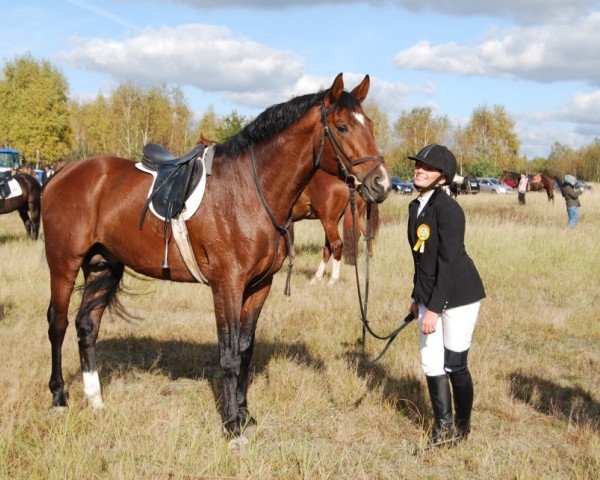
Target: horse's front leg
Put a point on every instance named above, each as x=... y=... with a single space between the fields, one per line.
x=254 y=300
x=228 y=306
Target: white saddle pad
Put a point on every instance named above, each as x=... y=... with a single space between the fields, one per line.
x=193 y=201
x=15 y=188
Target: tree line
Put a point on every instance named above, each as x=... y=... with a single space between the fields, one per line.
x=40 y=120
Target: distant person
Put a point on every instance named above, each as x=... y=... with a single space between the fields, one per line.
x=522 y=188
x=447 y=293
x=47 y=174
x=571 y=195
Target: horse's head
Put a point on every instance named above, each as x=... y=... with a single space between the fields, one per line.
x=349 y=148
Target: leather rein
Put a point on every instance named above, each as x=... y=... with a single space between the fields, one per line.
x=390 y=337
x=350 y=180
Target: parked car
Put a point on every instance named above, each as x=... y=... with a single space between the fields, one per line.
x=399 y=186
x=493 y=185
x=406 y=188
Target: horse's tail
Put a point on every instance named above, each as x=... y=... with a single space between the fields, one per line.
x=548 y=183
x=103 y=290
x=351 y=232
x=559 y=183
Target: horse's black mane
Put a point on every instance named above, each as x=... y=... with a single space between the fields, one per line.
x=276 y=119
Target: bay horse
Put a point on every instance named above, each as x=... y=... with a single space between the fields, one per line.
x=326 y=198
x=91 y=208
x=537 y=182
x=27 y=204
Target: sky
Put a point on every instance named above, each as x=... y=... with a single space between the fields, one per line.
x=539 y=59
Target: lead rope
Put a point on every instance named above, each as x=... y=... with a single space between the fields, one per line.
x=390 y=337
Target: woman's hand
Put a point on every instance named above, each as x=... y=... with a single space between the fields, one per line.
x=429 y=322
x=414 y=309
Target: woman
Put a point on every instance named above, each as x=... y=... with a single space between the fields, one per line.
x=571 y=195
x=446 y=295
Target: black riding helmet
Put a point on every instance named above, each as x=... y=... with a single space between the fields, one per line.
x=440 y=158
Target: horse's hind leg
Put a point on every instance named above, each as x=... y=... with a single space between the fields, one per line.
x=23 y=213
x=323 y=265
x=61 y=285
x=335 y=245
x=102 y=276
x=34 y=218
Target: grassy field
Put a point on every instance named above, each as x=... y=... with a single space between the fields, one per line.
x=323 y=410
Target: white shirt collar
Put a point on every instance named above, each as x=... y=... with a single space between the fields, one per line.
x=423 y=199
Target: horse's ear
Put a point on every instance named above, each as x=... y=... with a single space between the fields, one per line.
x=360 y=91
x=336 y=89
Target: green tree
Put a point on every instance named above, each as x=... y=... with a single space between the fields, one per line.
x=208 y=126
x=35 y=113
x=484 y=167
x=130 y=117
x=230 y=125
x=490 y=135
x=381 y=125
x=420 y=127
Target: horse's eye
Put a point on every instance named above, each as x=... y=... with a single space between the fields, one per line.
x=342 y=128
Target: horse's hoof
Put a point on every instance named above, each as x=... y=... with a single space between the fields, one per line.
x=98 y=407
x=250 y=431
x=239 y=444
x=333 y=281
x=57 y=410
x=314 y=281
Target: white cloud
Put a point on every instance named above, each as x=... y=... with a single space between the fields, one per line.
x=208 y=57
x=548 y=53
x=584 y=108
x=213 y=59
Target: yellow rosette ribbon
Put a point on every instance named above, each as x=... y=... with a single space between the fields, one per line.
x=422 y=234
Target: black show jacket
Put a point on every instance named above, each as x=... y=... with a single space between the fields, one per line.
x=445 y=276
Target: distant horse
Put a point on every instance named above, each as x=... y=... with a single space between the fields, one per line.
x=537 y=182
x=460 y=184
x=91 y=211
x=326 y=198
x=27 y=204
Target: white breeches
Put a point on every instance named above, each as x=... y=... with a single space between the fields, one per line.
x=453 y=331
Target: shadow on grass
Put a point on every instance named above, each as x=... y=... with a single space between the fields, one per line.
x=573 y=404
x=405 y=394
x=197 y=361
x=308 y=248
x=5 y=309
x=6 y=238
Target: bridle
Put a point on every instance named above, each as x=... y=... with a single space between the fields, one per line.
x=350 y=180
x=344 y=172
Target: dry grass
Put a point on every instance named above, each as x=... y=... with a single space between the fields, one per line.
x=323 y=411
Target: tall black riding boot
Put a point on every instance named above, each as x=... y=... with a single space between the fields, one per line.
x=441 y=401
x=462 y=388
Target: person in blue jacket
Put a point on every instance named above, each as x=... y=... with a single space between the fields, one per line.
x=446 y=295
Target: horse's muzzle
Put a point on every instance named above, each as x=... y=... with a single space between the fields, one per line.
x=376 y=186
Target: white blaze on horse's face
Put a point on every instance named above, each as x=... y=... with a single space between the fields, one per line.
x=359 y=117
